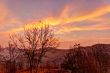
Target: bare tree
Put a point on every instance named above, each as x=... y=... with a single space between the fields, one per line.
x=73 y=59
x=102 y=58
x=36 y=42
x=86 y=59
x=10 y=59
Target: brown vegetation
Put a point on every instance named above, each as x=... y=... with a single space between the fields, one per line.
x=86 y=60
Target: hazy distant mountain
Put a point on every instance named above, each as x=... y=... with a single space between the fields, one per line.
x=55 y=56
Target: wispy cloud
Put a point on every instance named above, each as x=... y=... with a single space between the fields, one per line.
x=66 y=16
x=6 y=16
x=97 y=27
x=64 y=19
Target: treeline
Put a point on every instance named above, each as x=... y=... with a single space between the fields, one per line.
x=95 y=59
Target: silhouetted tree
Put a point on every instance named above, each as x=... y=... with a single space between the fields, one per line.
x=10 y=60
x=102 y=58
x=71 y=59
x=36 y=42
x=85 y=60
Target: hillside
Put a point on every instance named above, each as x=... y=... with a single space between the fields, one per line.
x=55 y=56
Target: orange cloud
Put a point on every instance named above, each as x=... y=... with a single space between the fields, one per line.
x=6 y=16
x=86 y=28
x=26 y=27
x=64 y=16
x=63 y=19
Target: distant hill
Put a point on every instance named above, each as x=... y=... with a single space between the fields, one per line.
x=55 y=56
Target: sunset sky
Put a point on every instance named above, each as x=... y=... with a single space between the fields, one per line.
x=74 y=21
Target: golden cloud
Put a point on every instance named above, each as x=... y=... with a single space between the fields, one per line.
x=86 y=28
x=64 y=19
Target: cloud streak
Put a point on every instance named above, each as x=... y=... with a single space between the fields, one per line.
x=6 y=16
x=96 y=27
x=64 y=19
x=64 y=16
x=85 y=17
